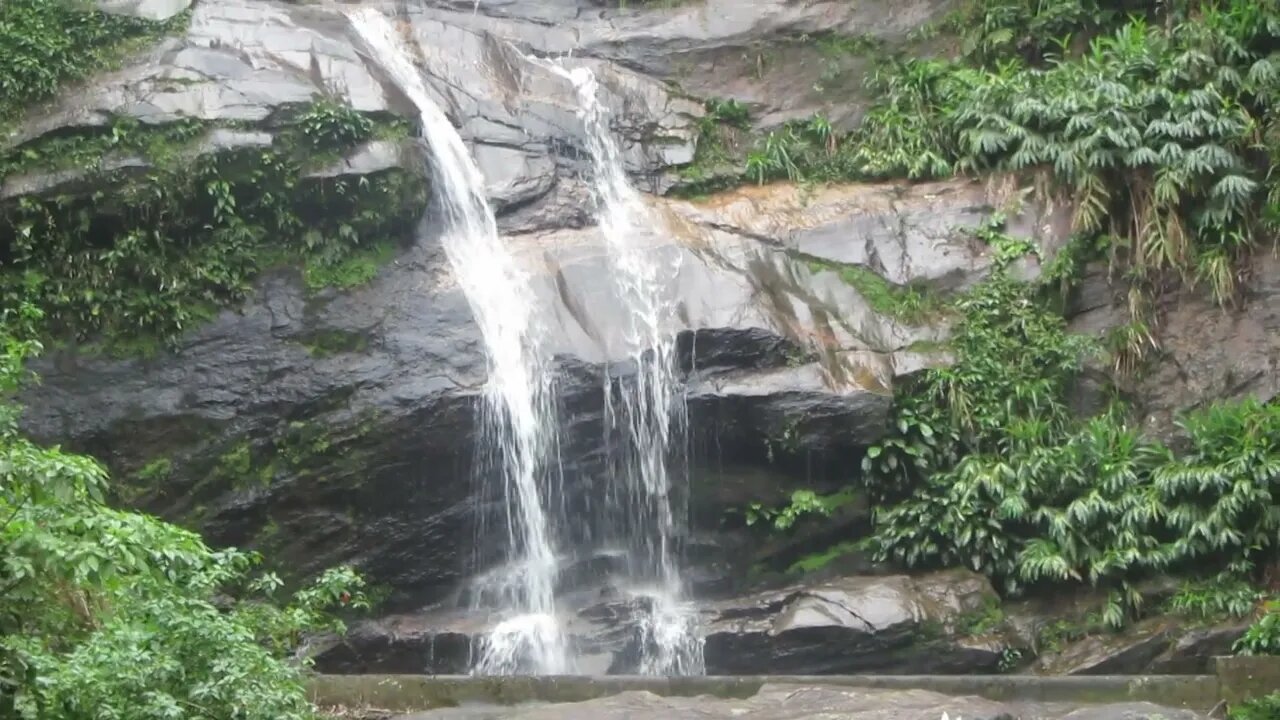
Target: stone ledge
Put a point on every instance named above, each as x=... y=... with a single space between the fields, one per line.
x=1246 y=677
x=421 y=692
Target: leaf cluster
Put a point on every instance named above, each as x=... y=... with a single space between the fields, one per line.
x=113 y=614
x=1160 y=128
x=45 y=44
x=1157 y=133
x=152 y=255
x=987 y=467
x=803 y=502
x=1262 y=637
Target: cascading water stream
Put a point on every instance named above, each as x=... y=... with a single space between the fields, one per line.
x=519 y=417
x=648 y=409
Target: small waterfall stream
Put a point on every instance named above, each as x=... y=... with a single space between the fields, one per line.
x=519 y=408
x=646 y=408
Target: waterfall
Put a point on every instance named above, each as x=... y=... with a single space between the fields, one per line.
x=518 y=406
x=646 y=409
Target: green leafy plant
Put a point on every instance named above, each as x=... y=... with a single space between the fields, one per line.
x=158 y=254
x=1263 y=637
x=803 y=502
x=1010 y=659
x=1221 y=597
x=986 y=467
x=1266 y=707
x=107 y=613
x=326 y=124
x=45 y=45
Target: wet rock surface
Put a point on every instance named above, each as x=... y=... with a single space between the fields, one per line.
x=328 y=428
x=338 y=427
x=1158 y=645
x=1206 y=354
x=805 y=702
x=846 y=625
x=765 y=53
x=891 y=624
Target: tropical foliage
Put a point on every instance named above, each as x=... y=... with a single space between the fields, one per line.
x=45 y=45
x=987 y=467
x=112 y=614
x=1160 y=130
x=1262 y=637
x=157 y=231
x=152 y=255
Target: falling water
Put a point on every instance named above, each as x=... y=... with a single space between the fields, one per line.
x=647 y=408
x=519 y=419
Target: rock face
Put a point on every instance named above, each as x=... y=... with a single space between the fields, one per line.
x=329 y=427
x=892 y=624
x=805 y=702
x=1207 y=353
x=1158 y=645
x=768 y=54
x=385 y=379
x=853 y=624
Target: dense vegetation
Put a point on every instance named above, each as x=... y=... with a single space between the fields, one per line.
x=112 y=614
x=986 y=466
x=149 y=255
x=1158 y=124
x=46 y=45
x=1160 y=128
x=106 y=613
x=138 y=255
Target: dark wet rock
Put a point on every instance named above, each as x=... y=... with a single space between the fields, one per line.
x=1161 y=645
x=890 y=624
x=1206 y=354
x=1127 y=653
x=397 y=646
x=776 y=355
x=807 y=702
x=1192 y=653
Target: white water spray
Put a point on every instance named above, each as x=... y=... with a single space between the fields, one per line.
x=518 y=409
x=649 y=410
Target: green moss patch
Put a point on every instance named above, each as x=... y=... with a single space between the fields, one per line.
x=138 y=257
x=910 y=304
x=45 y=44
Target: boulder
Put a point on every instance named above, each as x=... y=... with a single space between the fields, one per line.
x=1129 y=652
x=1193 y=652
x=891 y=624
x=1159 y=645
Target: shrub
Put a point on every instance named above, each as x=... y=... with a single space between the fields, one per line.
x=113 y=614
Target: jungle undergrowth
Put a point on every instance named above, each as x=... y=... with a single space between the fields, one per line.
x=142 y=257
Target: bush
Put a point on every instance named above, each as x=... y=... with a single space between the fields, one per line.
x=1263 y=637
x=45 y=44
x=113 y=614
x=986 y=467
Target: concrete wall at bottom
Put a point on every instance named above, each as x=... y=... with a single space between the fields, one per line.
x=425 y=692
